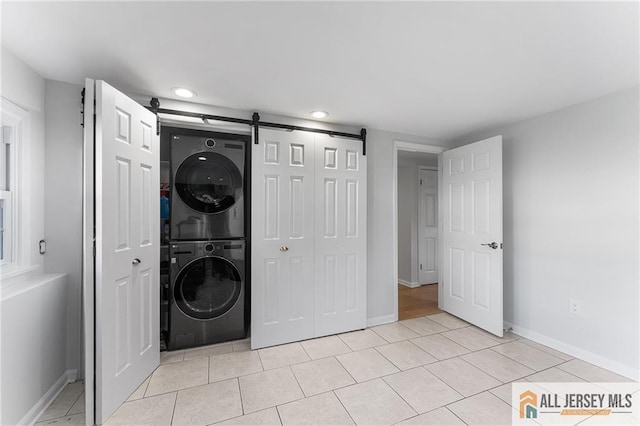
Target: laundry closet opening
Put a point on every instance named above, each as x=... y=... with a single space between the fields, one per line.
x=205 y=201
x=206 y=221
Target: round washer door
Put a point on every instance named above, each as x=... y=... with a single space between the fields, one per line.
x=208 y=182
x=207 y=287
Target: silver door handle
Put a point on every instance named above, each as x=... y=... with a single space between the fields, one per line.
x=136 y=261
x=492 y=245
x=284 y=248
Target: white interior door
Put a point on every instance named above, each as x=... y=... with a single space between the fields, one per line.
x=341 y=235
x=428 y=226
x=472 y=233
x=282 y=245
x=127 y=227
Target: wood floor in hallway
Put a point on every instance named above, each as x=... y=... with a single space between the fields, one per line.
x=417 y=302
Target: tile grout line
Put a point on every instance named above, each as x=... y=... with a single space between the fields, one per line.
x=306 y=353
x=75 y=400
x=446 y=407
x=304 y=395
x=345 y=408
x=514 y=360
x=237 y=379
x=278 y=413
x=355 y=382
x=400 y=396
x=173 y=412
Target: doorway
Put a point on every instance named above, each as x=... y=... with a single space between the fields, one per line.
x=416 y=229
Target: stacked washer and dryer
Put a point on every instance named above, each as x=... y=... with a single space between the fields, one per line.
x=207 y=248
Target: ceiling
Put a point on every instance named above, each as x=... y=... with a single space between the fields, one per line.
x=438 y=69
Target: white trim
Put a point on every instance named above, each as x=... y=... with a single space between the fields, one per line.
x=412 y=147
x=19 y=120
x=45 y=401
x=609 y=364
x=385 y=319
x=408 y=283
x=27 y=281
x=88 y=265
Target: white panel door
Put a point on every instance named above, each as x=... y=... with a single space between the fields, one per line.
x=127 y=218
x=428 y=226
x=472 y=233
x=341 y=240
x=282 y=245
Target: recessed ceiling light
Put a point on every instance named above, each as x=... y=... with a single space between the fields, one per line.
x=183 y=93
x=319 y=114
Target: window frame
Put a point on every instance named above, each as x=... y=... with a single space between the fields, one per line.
x=18 y=195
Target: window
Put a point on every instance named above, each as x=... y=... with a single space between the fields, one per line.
x=5 y=194
x=14 y=137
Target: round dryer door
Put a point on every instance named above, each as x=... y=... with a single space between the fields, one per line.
x=208 y=182
x=207 y=287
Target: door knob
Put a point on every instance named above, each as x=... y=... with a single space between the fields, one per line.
x=136 y=261
x=492 y=245
x=284 y=248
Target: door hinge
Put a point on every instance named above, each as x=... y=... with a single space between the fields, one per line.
x=420 y=181
x=421 y=266
x=82 y=106
x=94 y=248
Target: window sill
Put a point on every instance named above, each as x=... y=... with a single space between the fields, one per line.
x=10 y=276
x=28 y=282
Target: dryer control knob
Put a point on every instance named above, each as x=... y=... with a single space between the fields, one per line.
x=208 y=247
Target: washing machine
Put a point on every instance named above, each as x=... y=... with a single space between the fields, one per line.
x=207 y=293
x=208 y=187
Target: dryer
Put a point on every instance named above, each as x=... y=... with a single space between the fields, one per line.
x=208 y=187
x=207 y=293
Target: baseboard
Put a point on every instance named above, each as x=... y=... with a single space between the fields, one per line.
x=616 y=367
x=72 y=375
x=50 y=396
x=408 y=284
x=385 y=319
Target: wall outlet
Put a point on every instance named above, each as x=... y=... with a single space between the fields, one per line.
x=574 y=307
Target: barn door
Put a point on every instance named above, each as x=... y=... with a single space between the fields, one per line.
x=308 y=226
x=127 y=248
x=472 y=233
x=282 y=245
x=340 y=235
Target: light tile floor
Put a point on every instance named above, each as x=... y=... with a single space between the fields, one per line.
x=436 y=370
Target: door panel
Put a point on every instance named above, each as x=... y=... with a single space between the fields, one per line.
x=472 y=219
x=309 y=243
x=127 y=247
x=340 y=247
x=428 y=227
x=282 y=242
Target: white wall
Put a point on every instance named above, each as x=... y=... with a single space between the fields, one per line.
x=380 y=207
x=34 y=339
x=571 y=229
x=34 y=314
x=63 y=201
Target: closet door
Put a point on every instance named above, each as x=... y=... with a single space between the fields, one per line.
x=340 y=235
x=282 y=245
